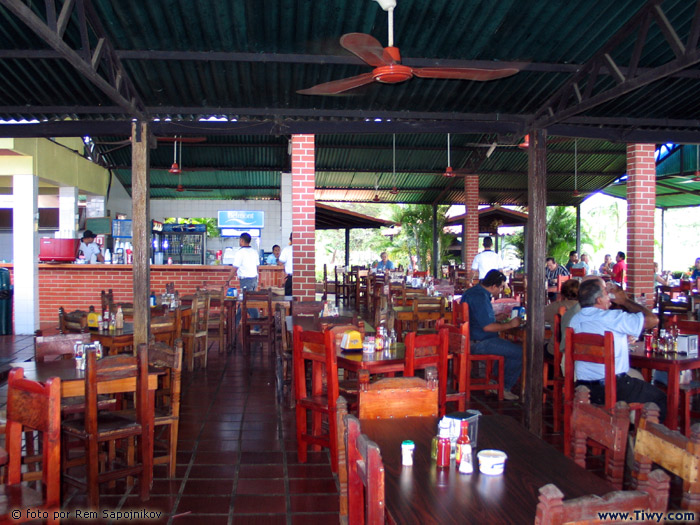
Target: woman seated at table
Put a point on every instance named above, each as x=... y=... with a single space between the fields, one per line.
x=569 y=298
x=607 y=266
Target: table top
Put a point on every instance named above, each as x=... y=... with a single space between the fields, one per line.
x=425 y=494
x=73 y=379
x=639 y=355
x=395 y=354
x=128 y=330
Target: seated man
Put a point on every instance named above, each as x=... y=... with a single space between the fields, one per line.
x=596 y=317
x=484 y=328
x=385 y=263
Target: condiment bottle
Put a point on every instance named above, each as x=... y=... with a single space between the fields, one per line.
x=407 y=448
x=119 y=319
x=443 y=447
x=92 y=318
x=464 y=449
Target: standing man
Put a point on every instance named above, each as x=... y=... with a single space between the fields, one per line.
x=484 y=328
x=287 y=258
x=486 y=261
x=619 y=271
x=596 y=317
x=551 y=271
x=90 y=248
x=245 y=264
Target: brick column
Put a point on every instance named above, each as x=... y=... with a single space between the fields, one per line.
x=471 y=221
x=304 y=216
x=641 y=202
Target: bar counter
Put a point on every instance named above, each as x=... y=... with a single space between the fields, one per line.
x=78 y=286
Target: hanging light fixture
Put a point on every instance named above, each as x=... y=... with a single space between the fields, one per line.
x=525 y=143
x=175 y=168
x=376 y=188
x=448 y=169
x=576 y=192
x=394 y=190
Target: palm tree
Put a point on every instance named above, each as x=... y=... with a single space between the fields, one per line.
x=416 y=235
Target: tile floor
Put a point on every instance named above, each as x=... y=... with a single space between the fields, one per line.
x=237 y=460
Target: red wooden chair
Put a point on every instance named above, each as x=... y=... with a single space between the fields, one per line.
x=467 y=369
x=608 y=428
x=365 y=477
x=554 y=385
x=32 y=406
x=590 y=348
x=656 y=444
x=578 y=272
x=687 y=391
x=422 y=351
x=317 y=349
x=652 y=497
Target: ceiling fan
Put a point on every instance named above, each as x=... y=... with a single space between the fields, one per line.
x=176 y=169
x=386 y=62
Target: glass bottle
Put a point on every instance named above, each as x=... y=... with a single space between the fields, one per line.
x=463 y=439
x=443 y=448
x=119 y=319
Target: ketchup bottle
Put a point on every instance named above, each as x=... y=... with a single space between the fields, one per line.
x=443 y=448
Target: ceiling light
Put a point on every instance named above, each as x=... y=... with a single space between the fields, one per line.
x=525 y=143
x=394 y=191
x=448 y=170
x=376 y=198
x=175 y=169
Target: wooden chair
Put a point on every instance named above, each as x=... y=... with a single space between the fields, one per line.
x=578 y=273
x=163 y=329
x=167 y=412
x=607 y=428
x=421 y=275
x=426 y=312
x=590 y=348
x=395 y=397
x=53 y=347
x=32 y=406
x=680 y=455
x=309 y=311
x=341 y=413
x=361 y=287
x=365 y=477
x=472 y=382
x=317 y=349
x=688 y=391
x=98 y=428
x=422 y=351
x=518 y=286
x=652 y=497
x=108 y=303
x=265 y=323
x=195 y=337
x=216 y=321
x=75 y=321
x=554 y=385
x=342 y=285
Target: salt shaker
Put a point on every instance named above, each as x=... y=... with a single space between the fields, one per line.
x=407 y=448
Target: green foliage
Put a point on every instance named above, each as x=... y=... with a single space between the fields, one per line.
x=416 y=235
x=561 y=235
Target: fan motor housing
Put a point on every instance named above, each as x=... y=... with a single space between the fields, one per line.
x=392 y=74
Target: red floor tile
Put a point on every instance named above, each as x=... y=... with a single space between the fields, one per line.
x=260 y=486
x=250 y=504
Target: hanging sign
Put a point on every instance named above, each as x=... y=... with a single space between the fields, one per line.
x=241 y=219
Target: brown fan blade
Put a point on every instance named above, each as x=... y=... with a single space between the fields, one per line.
x=367 y=48
x=338 y=86
x=464 y=73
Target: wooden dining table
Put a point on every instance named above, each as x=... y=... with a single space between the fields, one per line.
x=73 y=385
x=672 y=363
x=423 y=494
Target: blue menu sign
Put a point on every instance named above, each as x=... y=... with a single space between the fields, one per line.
x=241 y=219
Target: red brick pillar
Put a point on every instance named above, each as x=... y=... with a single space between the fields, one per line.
x=641 y=202
x=471 y=221
x=304 y=216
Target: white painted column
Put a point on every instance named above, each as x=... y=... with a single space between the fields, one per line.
x=286 y=205
x=25 y=243
x=67 y=212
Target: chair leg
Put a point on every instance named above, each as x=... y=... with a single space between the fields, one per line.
x=301 y=430
x=172 y=449
x=93 y=488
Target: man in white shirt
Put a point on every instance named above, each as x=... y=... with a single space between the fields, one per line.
x=486 y=261
x=287 y=258
x=90 y=249
x=245 y=264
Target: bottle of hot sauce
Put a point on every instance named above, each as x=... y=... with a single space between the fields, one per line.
x=464 y=450
x=443 y=448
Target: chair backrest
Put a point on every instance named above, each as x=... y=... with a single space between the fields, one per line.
x=35 y=406
x=418 y=274
x=460 y=312
x=199 y=318
x=75 y=321
x=553 y=510
x=578 y=272
x=395 y=397
x=688 y=327
x=319 y=349
x=365 y=476
x=671 y=450
x=428 y=309
x=308 y=309
x=556 y=342
x=425 y=350
x=51 y=347
x=162 y=355
x=107 y=300
x=561 y=279
x=260 y=299
x=340 y=275
x=338 y=330
x=163 y=328
x=590 y=348
x=608 y=428
x=119 y=366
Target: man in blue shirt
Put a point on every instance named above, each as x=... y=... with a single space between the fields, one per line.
x=484 y=329
x=385 y=263
x=275 y=255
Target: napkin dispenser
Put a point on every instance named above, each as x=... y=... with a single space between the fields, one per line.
x=352 y=340
x=688 y=344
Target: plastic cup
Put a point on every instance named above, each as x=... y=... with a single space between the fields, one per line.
x=492 y=462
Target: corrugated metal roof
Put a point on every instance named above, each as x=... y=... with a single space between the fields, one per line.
x=184 y=61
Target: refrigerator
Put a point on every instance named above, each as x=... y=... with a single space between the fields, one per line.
x=185 y=247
